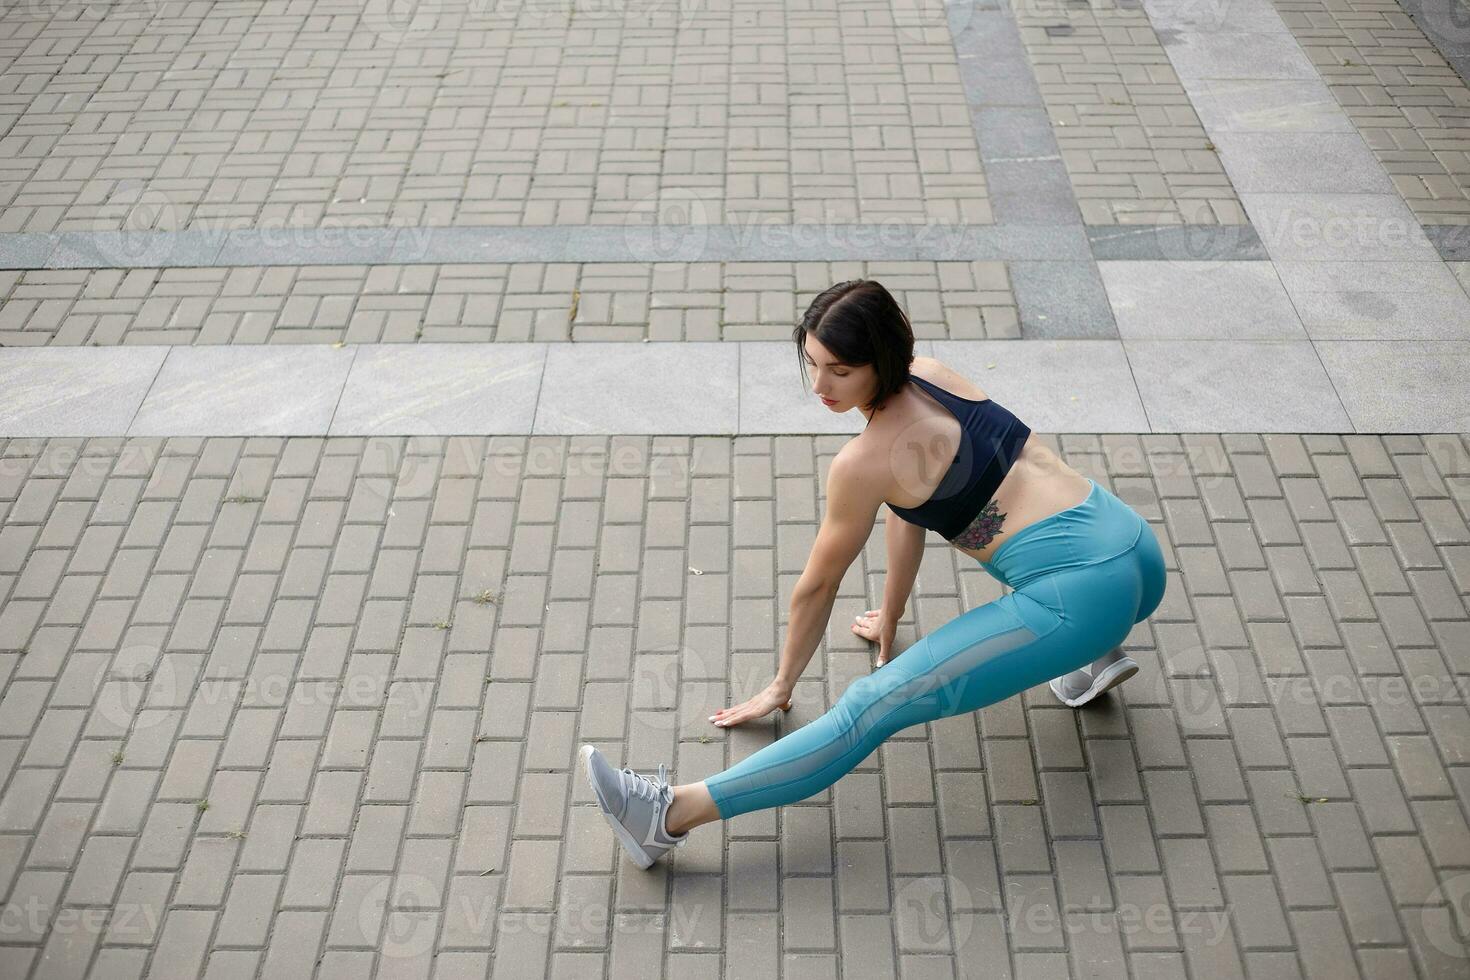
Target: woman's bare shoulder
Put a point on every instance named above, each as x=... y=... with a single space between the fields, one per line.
x=946 y=377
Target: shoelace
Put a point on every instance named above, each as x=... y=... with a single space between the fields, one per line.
x=644 y=787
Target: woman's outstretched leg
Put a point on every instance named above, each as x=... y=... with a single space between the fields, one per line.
x=932 y=679
x=972 y=660
x=1048 y=627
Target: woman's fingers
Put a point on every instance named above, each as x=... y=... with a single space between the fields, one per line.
x=730 y=716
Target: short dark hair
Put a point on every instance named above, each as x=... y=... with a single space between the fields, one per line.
x=861 y=323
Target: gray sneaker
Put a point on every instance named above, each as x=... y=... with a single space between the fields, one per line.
x=1088 y=682
x=634 y=806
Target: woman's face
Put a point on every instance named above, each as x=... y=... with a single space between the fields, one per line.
x=840 y=386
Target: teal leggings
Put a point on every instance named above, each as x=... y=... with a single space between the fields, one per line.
x=1081 y=578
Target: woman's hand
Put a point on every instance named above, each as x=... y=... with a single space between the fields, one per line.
x=874 y=625
x=774 y=696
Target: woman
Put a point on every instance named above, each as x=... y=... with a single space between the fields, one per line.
x=1082 y=565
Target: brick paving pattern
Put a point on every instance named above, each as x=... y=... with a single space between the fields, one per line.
x=1132 y=144
x=171 y=114
x=525 y=301
x=266 y=701
x=1411 y=107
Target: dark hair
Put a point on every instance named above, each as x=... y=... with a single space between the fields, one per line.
x=861 y=323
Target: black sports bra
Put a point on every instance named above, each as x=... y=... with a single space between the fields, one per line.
x=990 y=441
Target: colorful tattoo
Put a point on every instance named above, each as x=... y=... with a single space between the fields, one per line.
x=982 y=529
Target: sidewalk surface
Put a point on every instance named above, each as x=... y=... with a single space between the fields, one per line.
x=396 y=394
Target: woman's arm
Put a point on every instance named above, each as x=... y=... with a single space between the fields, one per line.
x=855 y=491
x=854 y=495
x=905 y=552
x=811 y=608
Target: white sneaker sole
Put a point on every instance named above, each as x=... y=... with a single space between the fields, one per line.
x=630 y=843
x=1114 y=674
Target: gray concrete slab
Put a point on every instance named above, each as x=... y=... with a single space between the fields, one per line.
x=1235 y=386
x=1452 y=241
x=1176 y=243
x=1316 y=162
x=1461 y=271
x=1338 y=227
x=1214 y=16
x=1377 y=300
x=135 y=249
x=1249 y=105
x=670 y=388
x=1053 y=385
x=19 y=250
x=77 y=391
x=440 y=389
x=1061 y=299
x=1199 y=301
x=227 y=391
x=1033 y=189
x=992 y=61
x=774 y=396
x=307 y=246
x=686 y=387
x=1372 y=378
x=1236 y=55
